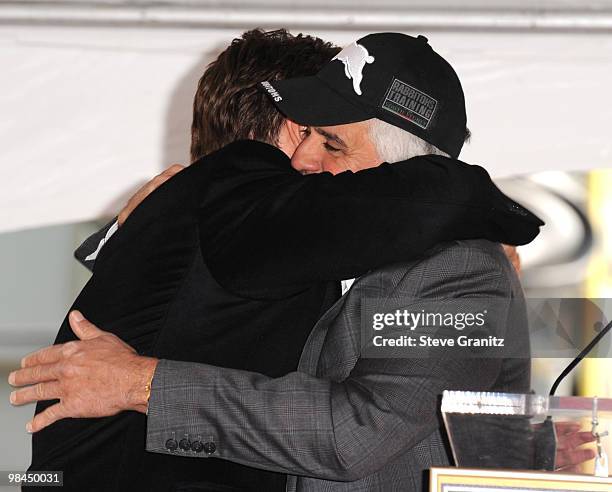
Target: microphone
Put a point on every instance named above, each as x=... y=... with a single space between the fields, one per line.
x=579 y=358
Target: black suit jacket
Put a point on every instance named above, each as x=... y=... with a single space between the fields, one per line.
x=231 y=262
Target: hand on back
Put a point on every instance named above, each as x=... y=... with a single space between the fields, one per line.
x=146 y=190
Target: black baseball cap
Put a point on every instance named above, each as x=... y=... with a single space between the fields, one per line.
x=394 y=77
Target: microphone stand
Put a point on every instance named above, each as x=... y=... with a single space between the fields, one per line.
x=579 y=358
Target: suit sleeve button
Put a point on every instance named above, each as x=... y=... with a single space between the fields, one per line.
x=210 y=447
x=185 y=444
x=197 y=446
x=171 y=444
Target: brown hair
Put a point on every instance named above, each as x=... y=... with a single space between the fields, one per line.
x=228 y=106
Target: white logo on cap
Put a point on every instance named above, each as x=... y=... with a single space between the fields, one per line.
x=354 y=57
x=272 y=91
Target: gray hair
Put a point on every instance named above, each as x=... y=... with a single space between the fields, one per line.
x=393 y=144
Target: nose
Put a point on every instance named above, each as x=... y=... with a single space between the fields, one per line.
x=306 y=159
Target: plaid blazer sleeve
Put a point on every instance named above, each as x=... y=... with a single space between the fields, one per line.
x=311 y=426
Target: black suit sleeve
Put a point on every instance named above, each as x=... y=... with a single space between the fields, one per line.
x=268 y=231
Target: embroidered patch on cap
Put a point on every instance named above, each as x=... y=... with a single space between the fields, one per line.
x=409 y=103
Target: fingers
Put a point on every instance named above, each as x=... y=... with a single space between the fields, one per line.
x=571 y=441
x=570 y=469
x=573 y=457
x=584 y=437
x=174 y=169
x=164 y=176
x=513 y=256
x=156 y=182
x=83 y=328
x=37 y=392
x=35 y=374
x=563 y=428
x=569 y=438
x=47 y=355
x=569 y=457
x=46 y=418
x=146 y=190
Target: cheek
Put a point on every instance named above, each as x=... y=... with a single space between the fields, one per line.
x=361 y=160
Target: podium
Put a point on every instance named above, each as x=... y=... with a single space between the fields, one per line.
x=523 y=431
x=483 y=480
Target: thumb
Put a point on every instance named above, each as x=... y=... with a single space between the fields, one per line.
x=82 y=328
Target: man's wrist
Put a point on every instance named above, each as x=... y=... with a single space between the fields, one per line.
x=143 y=379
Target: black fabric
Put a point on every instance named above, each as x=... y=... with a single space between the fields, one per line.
x=90 y=245
x=153 y=286
x=273 y=232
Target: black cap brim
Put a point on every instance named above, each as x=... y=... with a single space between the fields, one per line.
x=310 y=101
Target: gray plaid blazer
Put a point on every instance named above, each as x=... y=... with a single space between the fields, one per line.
x=343 y=422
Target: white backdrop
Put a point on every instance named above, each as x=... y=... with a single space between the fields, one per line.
x=90 y=111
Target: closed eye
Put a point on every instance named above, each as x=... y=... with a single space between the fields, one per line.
x=331 y=148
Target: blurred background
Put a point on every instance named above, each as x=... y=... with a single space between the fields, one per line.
x=95 y=99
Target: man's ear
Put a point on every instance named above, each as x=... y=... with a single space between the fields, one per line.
x=289 y=137
x=295 y=130
x=293 y=126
